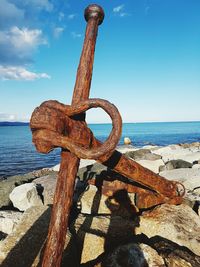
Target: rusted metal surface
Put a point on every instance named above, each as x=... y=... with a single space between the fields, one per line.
x=54 y=124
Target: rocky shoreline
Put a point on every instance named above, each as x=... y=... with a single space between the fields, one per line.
x=103 y=232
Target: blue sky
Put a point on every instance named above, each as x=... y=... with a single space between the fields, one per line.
x=147 y=59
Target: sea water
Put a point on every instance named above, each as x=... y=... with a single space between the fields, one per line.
x=18 y=154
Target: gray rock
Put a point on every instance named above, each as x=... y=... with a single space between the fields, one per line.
x=8 y=220
x=7 y=185
x=142 y=154
x=177 y=164
x=88 y=172
x=46 y=186
x=25 y=196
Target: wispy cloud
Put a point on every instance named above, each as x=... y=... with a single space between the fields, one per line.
x=20 y=73
x=76 y=35
x=71 y=16
x=57 y=32
x=120 y=11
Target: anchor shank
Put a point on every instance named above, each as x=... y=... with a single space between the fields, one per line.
x=69 y=162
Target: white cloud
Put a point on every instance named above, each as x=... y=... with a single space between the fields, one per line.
x=76 y=35
x=71 y=16
x=20 y=73
x=124 y=14
x=58 y=31
x=117 y=9
x=17 y=45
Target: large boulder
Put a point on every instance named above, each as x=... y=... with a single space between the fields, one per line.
x=25 y=196
x=179 y=224
x=8 y=184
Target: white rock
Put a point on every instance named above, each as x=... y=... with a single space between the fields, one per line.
x=177 y=152
x=189 y=177
x=152 y=165
x=83 y=163
x=196 y=166
x=127 y=141
x=56 y=168
x=8 y=220
x=25 y=196
x=86 y=162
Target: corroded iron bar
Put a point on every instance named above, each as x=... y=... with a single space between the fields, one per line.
x=69 y=162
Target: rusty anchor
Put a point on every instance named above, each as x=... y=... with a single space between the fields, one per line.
x=54 y=124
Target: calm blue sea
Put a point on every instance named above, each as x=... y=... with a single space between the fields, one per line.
x=18 y=155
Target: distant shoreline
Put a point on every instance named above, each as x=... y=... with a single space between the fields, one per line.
x=15 y=123
x=18 y=123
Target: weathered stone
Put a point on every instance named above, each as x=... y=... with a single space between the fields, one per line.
x=22 y=247
x=151 y=165
x=90 y=171
x=142 y=154
x=46 y=186
x=177 y=262
x=177 y=164
x=196 y=166
x=106 y=232
x=151 y=256
x=93 y=202
x=7 y=185
x=189 y=177
x=8 y=220
x=126 y=255
x=25 y=196
x=174 y=254
x=179 y=224
x=177 y=152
